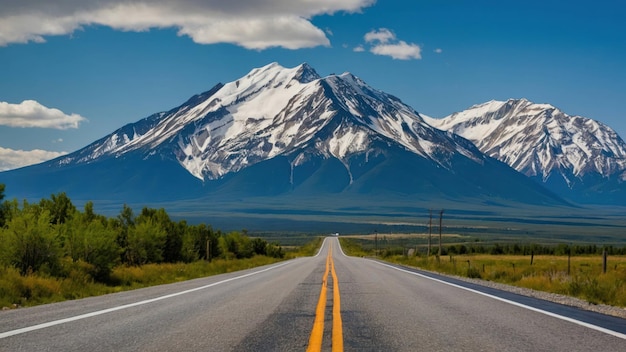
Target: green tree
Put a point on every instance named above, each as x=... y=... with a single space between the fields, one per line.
x=197 y=239
x=126 y=217
x=225 y=248
x=274 y=250
x=172 y=252
x=92 y=242
x=238 y=245
x=259 y=246
x=145 y=243
x=2 y=205
x=90 y=215
x=174 y=232
x=10 y=208
x=60 y=207
x=31 y=242
x=123 y=223
x=189 y=252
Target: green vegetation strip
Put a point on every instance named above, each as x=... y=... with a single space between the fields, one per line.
x=50 y=251
x=581 y=276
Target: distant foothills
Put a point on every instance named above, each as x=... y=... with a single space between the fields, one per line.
x=279 y=136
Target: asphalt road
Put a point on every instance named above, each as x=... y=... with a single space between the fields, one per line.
x=273 y=308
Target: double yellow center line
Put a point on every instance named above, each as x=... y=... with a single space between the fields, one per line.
x=315 y=341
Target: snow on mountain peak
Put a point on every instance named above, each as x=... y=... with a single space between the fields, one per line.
x=539 y=139
x=306 y=73
x=274 y=111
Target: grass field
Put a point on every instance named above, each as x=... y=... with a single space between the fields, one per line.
x=577 y=276
x=583 y=277
x=34 y=289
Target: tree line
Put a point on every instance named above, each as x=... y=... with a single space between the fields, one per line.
x=533 y=248
x=43 y=237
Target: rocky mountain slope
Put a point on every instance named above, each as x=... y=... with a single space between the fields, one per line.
x=577 y=157
x=282 y=131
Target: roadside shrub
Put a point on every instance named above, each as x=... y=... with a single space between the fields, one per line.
x=473 y=273
x=498 y=274
x=19 y=290
x=593 y=290
x=274 y=251
x=31 y=242
x=10 y=294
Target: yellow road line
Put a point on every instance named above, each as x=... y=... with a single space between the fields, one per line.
x=337 y=325
x=315 y=340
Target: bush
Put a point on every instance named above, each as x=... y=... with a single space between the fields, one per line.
x=30 y=242
x=473 y=273
x=274 y=251
x=145 y=243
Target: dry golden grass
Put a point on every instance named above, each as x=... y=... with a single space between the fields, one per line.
x=17 y=290
x=584 y=279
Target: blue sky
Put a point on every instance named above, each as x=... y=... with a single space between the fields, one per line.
x=73 y=71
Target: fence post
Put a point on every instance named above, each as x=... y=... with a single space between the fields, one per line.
x=440 y=221
x=376 y=243
x=208 y=250
x=569 y=261
x=430 y=231
x=604 y=261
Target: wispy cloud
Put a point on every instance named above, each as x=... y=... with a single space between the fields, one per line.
x=382 y=35
x=438 y=51
x=30 y=113
x=252 y=24
x=359 y=49
x=13 y=159
x=385 y=42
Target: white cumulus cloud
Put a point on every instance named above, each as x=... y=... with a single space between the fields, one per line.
x=382 y=35
x=13 y=159
x=400 y=50
x=384 y=42
x=30 y=113
x=253 y=24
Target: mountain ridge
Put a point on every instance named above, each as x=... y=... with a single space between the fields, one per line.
x=278 y=132
x=544 y=143
x=273 y=99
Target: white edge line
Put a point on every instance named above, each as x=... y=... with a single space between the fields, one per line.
x=341 y=249
x=321 y=247
x=130 y=305
x=554 y=315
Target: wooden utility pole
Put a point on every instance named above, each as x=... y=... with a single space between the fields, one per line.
x=440 y=221
x=376 y=242
x=569 y=259
x=430 y=230
x=208 y=250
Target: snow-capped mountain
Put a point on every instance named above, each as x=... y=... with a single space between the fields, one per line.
x=282 y=131
x=542 y=142
x=274 y=111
